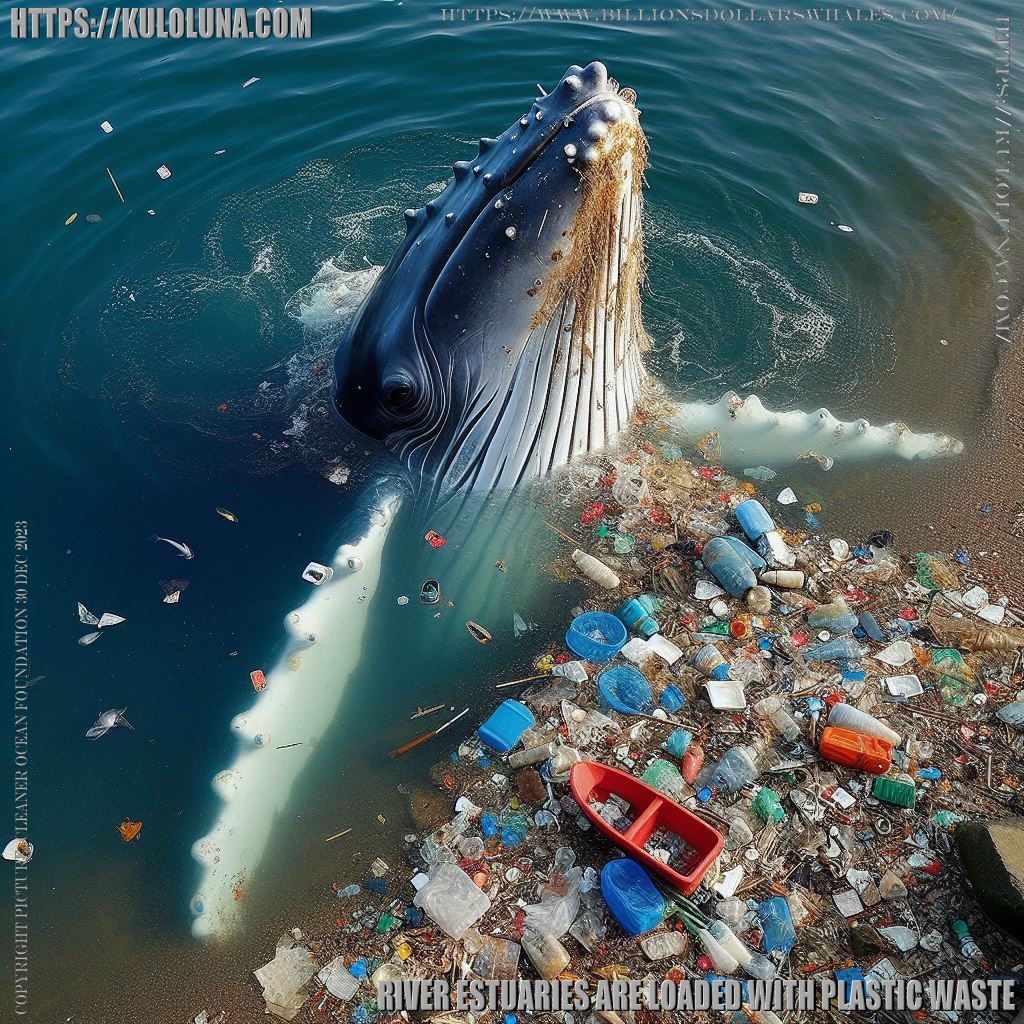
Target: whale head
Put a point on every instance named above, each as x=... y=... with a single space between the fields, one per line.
x=503 y=338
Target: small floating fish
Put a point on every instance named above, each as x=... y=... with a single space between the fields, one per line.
x=184 y=551
x=229 y=516
x=109 y=720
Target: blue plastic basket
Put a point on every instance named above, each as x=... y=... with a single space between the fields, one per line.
x=625 y=689
x=579 y=640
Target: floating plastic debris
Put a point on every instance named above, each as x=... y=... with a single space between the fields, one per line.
x=317 y=573
x=129 y=829
x=164 y=171
x=173 y=590
x=107 y=721
x=250 y=81
x=810 y=198
x=106 y=127
x=787 y=496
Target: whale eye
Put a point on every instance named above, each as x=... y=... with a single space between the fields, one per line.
x=399 y=393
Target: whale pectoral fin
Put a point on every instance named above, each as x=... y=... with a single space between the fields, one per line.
x=744 y=431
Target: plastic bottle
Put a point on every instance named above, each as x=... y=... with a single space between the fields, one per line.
x=774 y=709
x=662 y=945
x=736 y=769
x=548 y=956
x=753 y=518
x=785 y=579
x=594 y=569
x=836 y=617
x=710 y=660
x=724 y=962
x=777 y=929
x=489 y=825
x=730 y=567
x=349 y=890
x=846 y=716
x=968 y=947
x=845 y=647
x=533 y=755
x=960 y=633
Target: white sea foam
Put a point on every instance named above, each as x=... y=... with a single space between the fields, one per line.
x=302 y=696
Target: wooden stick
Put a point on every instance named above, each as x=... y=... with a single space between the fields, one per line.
x=117 y=188
x=412 y=744
x=338 y=835
x=561 y=533
x=525 y=679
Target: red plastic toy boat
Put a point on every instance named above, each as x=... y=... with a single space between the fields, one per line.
x=651 y=812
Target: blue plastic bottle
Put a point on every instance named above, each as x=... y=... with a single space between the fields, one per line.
x=776 y=924
x=728 y=563
x=753 y=518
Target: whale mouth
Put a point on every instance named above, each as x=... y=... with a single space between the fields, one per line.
x=522 y=230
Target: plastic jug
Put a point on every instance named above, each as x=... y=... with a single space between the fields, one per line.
x=736 y=769
x=777 y=931
x=854 y=750
x=631 y=896
x=662 y=945
x=753 y=518
x=730 y=567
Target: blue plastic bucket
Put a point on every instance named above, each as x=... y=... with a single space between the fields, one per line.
x=502 y=730
x=580 y=638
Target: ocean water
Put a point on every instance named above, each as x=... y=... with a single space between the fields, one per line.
x=162 y=364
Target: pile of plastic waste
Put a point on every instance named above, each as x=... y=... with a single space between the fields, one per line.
x=749 y=759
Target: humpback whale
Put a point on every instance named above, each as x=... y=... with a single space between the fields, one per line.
x=503 y=339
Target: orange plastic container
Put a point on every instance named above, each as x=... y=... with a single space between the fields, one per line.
x=854 y=750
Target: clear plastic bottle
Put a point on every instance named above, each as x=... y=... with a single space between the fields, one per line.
x=836 y=617
x=548 y=956
x=845 y=647
x=736 y=769
x=724 y=962
x=773 y=708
